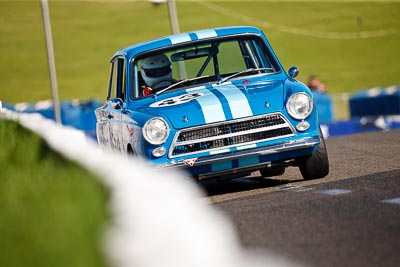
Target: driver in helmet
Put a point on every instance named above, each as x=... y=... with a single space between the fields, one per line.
x=156 y=71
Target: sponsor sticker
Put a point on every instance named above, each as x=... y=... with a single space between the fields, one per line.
x=190 y=162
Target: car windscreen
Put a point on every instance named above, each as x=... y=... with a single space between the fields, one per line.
x=200 y=62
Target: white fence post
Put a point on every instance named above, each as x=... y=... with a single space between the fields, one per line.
x=51 y=62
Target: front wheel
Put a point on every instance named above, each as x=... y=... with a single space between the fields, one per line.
x=317 y=165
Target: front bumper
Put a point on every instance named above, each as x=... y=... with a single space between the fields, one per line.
x=288 y=146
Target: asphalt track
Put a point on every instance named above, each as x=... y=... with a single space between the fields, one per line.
x=350 y=218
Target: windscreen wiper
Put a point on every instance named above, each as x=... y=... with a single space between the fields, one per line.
x=178 y=83
x=251 y=70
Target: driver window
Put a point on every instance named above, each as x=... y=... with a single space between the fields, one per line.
x=117 y=79
x=153 y=73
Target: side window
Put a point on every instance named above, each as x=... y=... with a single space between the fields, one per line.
x=138 y=82
x=258 y=56
x=251 y=54
x=117 y=79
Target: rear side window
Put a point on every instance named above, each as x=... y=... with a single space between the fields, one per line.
x=117 y=79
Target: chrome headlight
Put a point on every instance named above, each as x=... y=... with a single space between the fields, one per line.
x=299 y=106
x=156 y=131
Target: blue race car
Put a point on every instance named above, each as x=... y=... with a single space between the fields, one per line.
x=216 y=103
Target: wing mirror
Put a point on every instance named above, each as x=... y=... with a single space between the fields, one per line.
x=117 y=103
x=293 y=72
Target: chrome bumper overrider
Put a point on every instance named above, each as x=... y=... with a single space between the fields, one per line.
x=303 y=143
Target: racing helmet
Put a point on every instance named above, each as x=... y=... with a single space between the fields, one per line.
x=155 y=68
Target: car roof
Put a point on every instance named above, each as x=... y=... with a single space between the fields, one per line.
x=181 y=38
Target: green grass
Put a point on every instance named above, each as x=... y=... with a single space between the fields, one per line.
x=51 y=211
x=86 y=34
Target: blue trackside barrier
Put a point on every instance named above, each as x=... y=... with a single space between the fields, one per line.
x=77 y=114
x=80 y=115
x=361 y=125
x=323 y=102
x=375 y=102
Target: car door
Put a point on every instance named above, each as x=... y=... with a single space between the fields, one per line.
x=103 y=127
x=117 y=98
x=109 y=117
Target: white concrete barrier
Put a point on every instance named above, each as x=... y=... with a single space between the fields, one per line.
x=158 y=219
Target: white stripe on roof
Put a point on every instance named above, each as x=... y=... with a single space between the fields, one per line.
x=205 y=34
x=180 y=38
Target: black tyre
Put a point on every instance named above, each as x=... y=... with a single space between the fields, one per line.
x=130 y=152
x=317 y=165
x=272 y=171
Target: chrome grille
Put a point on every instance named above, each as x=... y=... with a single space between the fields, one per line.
x=229 y=134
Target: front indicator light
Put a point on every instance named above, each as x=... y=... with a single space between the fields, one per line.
x=302 y=126
x=159 y=152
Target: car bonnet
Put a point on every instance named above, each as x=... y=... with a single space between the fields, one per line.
x=215 y=103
